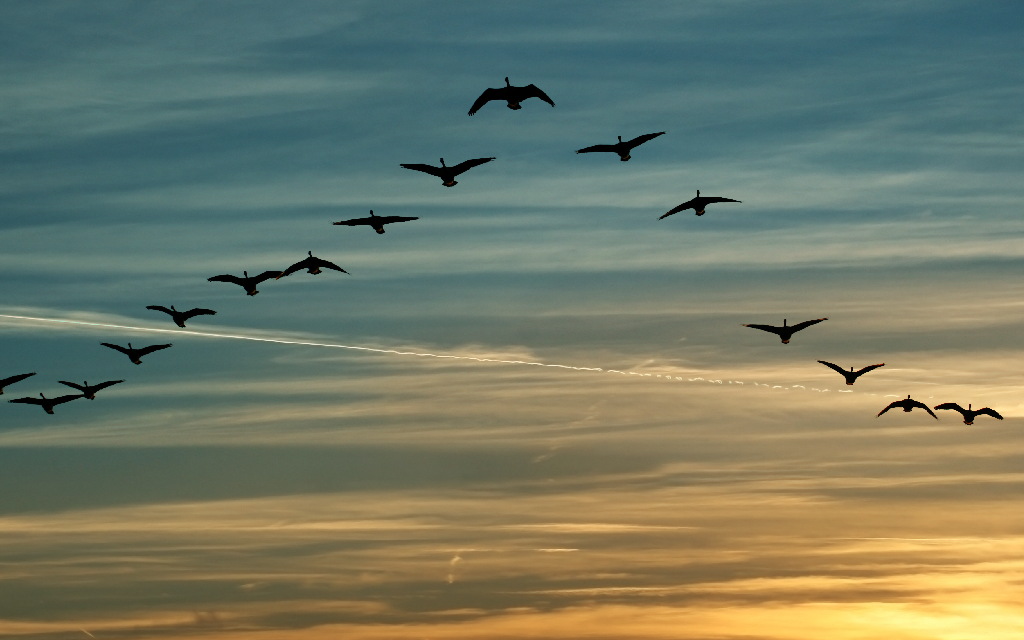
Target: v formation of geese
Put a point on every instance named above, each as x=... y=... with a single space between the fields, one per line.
x=313 y=265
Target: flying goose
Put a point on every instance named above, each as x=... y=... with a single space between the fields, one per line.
x=377 y=222
x=180 y=317
x=851 y=375
x=13 y=379
x=622 y=148
x=47 y=403
x=89 y=390
x=313 y=264
x=446 y=173
x=968 y=414
x=785 y=332
x=697 y=204
x=907 y=405
x=247 y=283
x=513 y=95
x=135 y=354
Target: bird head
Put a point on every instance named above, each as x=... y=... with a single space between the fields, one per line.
x=620 y=138
x=371 y=214
x=172 y=308
x=129 y=345
x=783 y=320
x=443 y=164
x=698 y=193
x=507 y=83
x=42 y=396
x=310 y=253
x=245 y=273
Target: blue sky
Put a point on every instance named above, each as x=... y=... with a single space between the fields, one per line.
x=715 y=484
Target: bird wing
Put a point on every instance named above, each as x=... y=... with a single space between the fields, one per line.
x=329 y=265
x=150 y=349
x=425 y=168
x=63 y=399
x=533 y=91
x=639 y=140
x=199 y=312
x=870 y=367
x=989 y=412
x=598 y=147
x=683 y=207
x=27 y=400
x=356 y=222
x=115 y=347
x=891 y=405
x=73 y=385
x=390 y=219
x=463 y=167
x=104 y=385
x=834 y=366
x=806 y=323
x=764 y=327
x=921 y=405
x=487 y=96
x=298 y=266
x=227 y=277
x=717 y=199
x=266 y=275
x=13 y=379
x=951 y=405
x=156 y=307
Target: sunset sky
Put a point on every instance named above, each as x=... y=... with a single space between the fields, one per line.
x=385 y=455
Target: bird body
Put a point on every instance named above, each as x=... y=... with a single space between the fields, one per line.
x=312 y=264
x=851 y=375
x=510 y=94
x=446 y=173
x=697 y=204
x=967 y=413
x=621 y=148
x=13 y=379
x=47 y=403
x=377 y=222
x=135 y=354
x=180 y=317
x=88 y=390
x=908 y=405
x=247 y=283
x=785 y=332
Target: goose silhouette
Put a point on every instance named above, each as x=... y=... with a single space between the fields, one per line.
x=622 y=148
x=512 y=95
x=247 y=283
x=47 y=403
x=312 y=264
x=697 y=204
x=180 y=317
x=851 y=375
x=446 y=173
x=967 y=413
x=785 y=332
x=377 y=222
x=907 y=405
x=9 y=381
x=89 y=390
x=135 y=354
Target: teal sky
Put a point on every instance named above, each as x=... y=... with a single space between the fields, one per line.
x=679 y=476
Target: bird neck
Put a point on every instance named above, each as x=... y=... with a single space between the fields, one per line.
x=507 y=83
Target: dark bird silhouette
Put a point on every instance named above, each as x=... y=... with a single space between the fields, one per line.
x=512 y=95
x=89 y=390
x=47 y=403
x=851 y=375
x=697 y=204
x=907 y=405
x=446 y=173
x=180 y=317
x=622 y=148
x=785 y=332
x=969 y=415
x=313 y=264
x=377 y=222
x=247 y=283
x=135 y=354
x=13 y=379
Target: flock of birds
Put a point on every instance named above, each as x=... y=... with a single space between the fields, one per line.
x=513 y=96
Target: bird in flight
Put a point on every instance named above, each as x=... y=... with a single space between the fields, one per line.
x=697 y=204
x=247 y=283
x=785 y=332
x=47 y=403
x=313 y=264
x=446 y=173
x=907 y=405
x=513 y=95
x=622 y=148
x=135 y=354
x=851 y=375
x=968 y=414
x=89 y=390
x=13 y=379
x=180 y=317
x=377 y=222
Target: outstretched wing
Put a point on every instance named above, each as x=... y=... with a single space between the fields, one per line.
x=329 y=265
x=764 y=327
x=598 y=147
x=485 y=97
x=891 y=405
x=27 y=400
x=116 y=348
x=532 y=91
x=13 y=379
x=463 y=167
x=305 y=263
x=989 y=412
x=711 y=199
x=199 y=312
x=425 y=168
x=639 y=140
x=390 y=219
x=921 y=405
x=63 y=399
x=951 y=405
x=227 y=277
x=73 y=385
x=870 y=367
x=355 y=222
x=806 y=323
x=834 y=366
x=266 y=275
x=150 y=349
x=156 y=307
x=683 y=207
x=104 y=385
